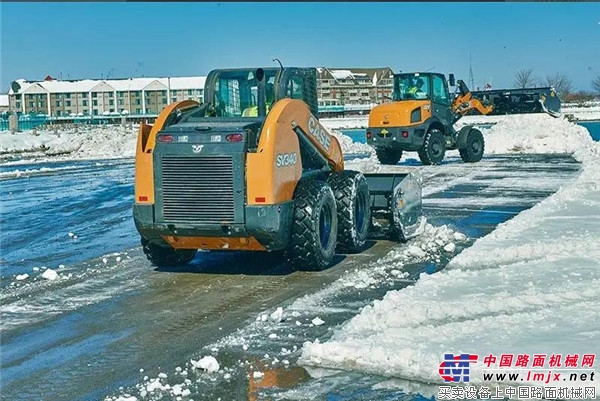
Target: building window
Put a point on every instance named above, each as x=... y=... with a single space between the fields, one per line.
x=164 y=100
x=95 y=112
x=111 y=102
x=58 y=103
x=85 y=103
x=18 y=97
x=110 y=95
x=18 y=105
x=94 y=103
x=163 y=93
x=173 y=100
x=31 y=104
x=67 y=95
x=138 y=111
x=68 y=103
x=58 y=113
x=190 y=92
x=94 y=95
x=121 y=102
x=84 y=94
x=112 y=110
x=121 y=94
x=138 y=101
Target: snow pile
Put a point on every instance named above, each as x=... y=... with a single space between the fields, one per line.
x=82 y=143
x=534 y=134
x=345 y=122
x=350 y=147
x=581 y=112
x=532 y=286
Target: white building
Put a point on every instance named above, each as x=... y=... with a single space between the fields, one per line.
x=134 y=96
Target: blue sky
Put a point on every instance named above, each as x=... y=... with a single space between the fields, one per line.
x=96 y=40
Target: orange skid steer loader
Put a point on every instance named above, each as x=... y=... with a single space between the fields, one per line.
x=216 y=176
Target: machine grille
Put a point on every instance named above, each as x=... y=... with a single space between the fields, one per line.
x=198 y=189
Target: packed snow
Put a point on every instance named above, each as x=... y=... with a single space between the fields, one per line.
x=532 y=286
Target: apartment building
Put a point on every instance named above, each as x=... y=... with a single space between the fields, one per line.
x=3 y=103
x=354 y=86
x=134 y=96
x=343 y=88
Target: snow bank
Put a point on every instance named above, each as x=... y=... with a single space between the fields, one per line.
x=583 y=113
x=534 y=133
x=346 y=122
x=98 y=142
x=532 y=286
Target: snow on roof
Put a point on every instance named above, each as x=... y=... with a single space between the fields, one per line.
x=342 y=74
x=187 y=82
x=131 y=84
x=3 y=100
x=24 y=85
x=69 y=86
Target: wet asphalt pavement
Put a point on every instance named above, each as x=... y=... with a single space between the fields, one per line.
x=112 y=314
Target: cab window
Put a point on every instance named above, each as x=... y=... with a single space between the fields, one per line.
x=440 y=90
x=295 y=88
x=236 y=93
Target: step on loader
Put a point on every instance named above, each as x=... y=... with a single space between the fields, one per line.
x=423 y=112
x=252 y=168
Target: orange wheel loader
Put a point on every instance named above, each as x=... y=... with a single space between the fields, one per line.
x=423 y=112
x=253 y=169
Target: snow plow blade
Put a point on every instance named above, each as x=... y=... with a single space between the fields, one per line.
x=519 y=101
x=396 y=198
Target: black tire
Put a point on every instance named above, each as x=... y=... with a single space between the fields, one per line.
x=165 y=255
x=434 y=147
x=473 y=152
x=351 y=193
x=314 y=226
x=388 y=156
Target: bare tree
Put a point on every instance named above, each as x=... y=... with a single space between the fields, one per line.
x=524 y=78
x=561 y=84
x=596 y=84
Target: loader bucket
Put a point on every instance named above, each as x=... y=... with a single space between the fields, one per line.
x=520 y=101
x=396 y=197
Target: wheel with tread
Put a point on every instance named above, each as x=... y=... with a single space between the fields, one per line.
x=314 y=226
x=165 y=255
x=434 y=147
x=351 y=193
x=388 y=156
x=473 y=152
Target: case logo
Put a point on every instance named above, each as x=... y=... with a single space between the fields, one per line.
x=197 y=148
x=319 y=132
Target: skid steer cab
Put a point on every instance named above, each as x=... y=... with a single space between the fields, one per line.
x=252 y=168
